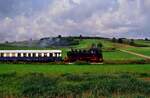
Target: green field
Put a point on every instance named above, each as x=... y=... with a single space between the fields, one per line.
x=118 y=55
x=61 y=69
x=86 y=43
x=143 y=42
x=141 y=50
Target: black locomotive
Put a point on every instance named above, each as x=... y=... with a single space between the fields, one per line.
x=93 y=55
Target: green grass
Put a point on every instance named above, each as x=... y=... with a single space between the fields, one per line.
x=142 y=42
x=141 y=50
x=118 y=55
x=62 y=69
x=86 y=43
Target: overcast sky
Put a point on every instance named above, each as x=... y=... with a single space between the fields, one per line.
x=26 y=19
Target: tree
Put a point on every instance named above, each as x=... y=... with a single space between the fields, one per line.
x=59 y=36
x=6 y=42
x=114 y=39
x=120 y=40
x=93 y=45
x=132 y=42
x=99 y=45
x=81 y=37
x=146 y=39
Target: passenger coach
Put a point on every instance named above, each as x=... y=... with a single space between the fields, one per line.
x=31 y=55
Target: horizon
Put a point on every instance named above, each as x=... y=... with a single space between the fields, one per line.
x=29 y=19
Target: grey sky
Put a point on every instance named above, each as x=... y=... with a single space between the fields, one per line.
x=25 y=19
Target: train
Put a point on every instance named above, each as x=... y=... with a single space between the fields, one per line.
x=92 y=55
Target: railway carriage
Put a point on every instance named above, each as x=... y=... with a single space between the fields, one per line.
x=31 y=55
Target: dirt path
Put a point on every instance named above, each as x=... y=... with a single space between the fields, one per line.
x=137 y=54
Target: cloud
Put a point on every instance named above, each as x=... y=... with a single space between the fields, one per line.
x=25 y=19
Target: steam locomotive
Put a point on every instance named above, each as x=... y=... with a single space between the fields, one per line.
x=93 y=55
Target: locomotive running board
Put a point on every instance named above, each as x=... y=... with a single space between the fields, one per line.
x=87 y=64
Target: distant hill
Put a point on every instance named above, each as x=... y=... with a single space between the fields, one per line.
x=47 y=42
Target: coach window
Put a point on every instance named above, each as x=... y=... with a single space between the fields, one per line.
x=29 y=54
x=51 y=54
x=45 y=54
x=59 y=54
x=24 y=54
x=40 y=54
x=13 y=54
x=34 y=54
x=19 y=54
x=7 y=54
x=56 y=54
x=2 y=54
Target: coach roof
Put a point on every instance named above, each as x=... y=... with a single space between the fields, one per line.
x=30 y=51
